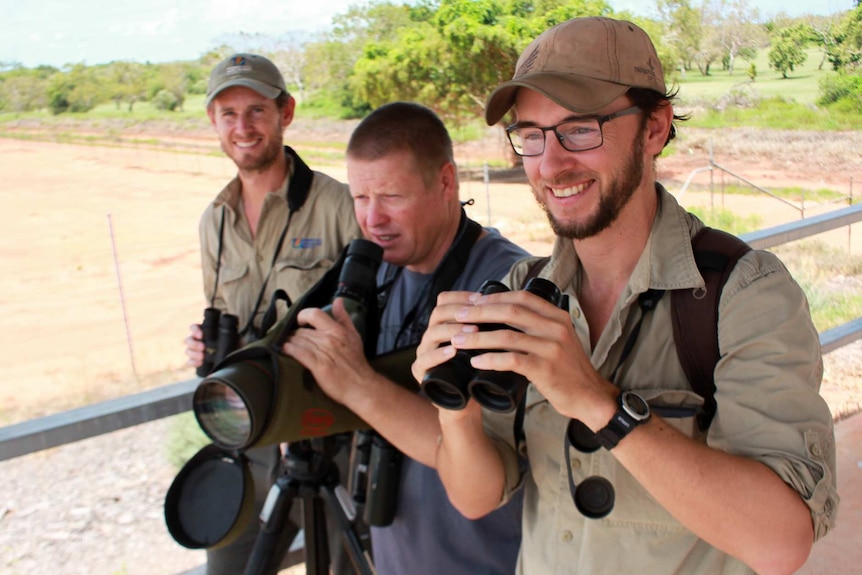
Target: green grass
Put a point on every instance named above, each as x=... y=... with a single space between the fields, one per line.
x=185 y=438
x=726 y=220
x=801 y=85
x=774 y=113
x=792 y=194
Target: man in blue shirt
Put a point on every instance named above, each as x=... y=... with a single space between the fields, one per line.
x=404 y=183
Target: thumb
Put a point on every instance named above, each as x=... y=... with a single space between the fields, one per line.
x=341 y=315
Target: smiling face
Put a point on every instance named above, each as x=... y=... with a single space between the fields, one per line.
x=583 y=193
x=412 y=216
x=250 y=127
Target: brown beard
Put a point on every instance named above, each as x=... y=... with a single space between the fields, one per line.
x=620 y=191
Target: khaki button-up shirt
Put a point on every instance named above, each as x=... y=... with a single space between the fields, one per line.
x=317 y=233
x=769 y=409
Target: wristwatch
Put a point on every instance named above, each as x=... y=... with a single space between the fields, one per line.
x=633 y=411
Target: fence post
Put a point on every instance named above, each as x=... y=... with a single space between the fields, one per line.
x=122 y=296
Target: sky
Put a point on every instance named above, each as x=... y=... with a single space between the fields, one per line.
x=58 y=32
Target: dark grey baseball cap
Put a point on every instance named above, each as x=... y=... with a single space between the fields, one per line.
x=249 y=70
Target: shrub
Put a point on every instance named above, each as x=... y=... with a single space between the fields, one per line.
x=842 y=90
x=164 y=100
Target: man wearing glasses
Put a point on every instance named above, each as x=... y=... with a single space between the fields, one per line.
x=609 y=405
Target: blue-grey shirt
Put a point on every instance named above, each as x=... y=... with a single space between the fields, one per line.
x=429 y=536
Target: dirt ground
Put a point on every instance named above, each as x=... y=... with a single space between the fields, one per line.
x=99 y=254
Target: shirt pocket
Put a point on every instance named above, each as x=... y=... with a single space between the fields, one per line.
x=235 y=287
x=298 y=276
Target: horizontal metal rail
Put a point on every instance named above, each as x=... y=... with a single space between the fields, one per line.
x=105 y=417
x=799 y=229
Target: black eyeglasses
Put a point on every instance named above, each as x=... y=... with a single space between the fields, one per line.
x=578 y=135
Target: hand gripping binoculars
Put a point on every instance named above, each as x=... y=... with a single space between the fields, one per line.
x=450 y=385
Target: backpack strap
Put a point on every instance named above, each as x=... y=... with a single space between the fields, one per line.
x=695 y=313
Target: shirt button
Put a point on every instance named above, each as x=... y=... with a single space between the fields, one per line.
x=566 y=536
x=576 y=463
x=576 y=312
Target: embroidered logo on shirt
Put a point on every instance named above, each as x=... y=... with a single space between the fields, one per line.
x=305 y=243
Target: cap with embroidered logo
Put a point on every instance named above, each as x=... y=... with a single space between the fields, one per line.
x=249 y=70
x=582 y=64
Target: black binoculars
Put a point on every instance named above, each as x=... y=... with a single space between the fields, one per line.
x=221 y=337
x=450 y=385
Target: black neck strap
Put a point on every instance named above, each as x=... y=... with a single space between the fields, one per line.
x=444 y=277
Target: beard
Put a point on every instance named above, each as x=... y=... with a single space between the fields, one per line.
x=625 y=181
x=255 y=162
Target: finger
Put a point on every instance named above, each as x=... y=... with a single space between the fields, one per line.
x=429 y=359
x=441 y=334
x=455 y=297
x=530 y=314
x=315 y=317
x=341 y=315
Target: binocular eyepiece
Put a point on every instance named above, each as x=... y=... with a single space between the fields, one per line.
x=450 y=385
x=221 y=336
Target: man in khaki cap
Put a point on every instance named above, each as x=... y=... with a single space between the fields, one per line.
x=621 y=476
x=276 y=225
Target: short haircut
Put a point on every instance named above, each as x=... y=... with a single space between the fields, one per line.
x=403 y=127
x=649 y=101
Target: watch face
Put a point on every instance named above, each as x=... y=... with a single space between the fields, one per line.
x=635 y=405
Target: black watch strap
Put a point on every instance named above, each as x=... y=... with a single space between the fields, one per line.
x=633 y=410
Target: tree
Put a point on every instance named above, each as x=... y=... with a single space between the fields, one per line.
x=682 y=30
x=24 y=90
x=128 y=83
x=788 y=48
x=452 y=60
x=75 y=89
x=331 y=59
x=845 y=53
x=738 y=33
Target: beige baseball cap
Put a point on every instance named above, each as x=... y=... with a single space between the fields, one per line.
x=582 y=64
x=249 y=70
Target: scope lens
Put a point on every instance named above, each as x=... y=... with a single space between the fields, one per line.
x=222 y=414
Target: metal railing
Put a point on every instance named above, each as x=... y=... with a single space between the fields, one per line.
x=105 y=417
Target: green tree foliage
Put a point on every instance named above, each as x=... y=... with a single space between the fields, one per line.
x=843 y=90
x=738 y=33
x=126 y=82
x=23 y=89
x=845 y=52
x=331 y=60
x=788 y=48
x=450 y=60
x=74 y=90
x=682 y=32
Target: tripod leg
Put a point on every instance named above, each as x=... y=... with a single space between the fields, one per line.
x=358 y=557
x=274 y=517
x=316 y=544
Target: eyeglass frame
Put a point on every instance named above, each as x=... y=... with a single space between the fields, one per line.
x=601 y=120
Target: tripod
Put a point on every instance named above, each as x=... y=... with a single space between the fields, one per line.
x=307 y=473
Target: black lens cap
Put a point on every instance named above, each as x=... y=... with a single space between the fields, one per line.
x=594 y=497
x=211 y=500
x=581 y=437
